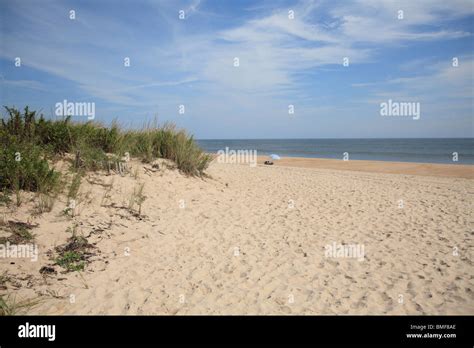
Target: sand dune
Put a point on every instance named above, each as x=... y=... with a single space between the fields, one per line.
x=253 y=241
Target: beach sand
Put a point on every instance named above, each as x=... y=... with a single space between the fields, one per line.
x=425 y=169
x=253 y=240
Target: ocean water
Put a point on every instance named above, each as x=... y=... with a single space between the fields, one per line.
x=400 y=150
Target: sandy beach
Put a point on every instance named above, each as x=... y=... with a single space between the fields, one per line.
x=255 y=240
x=425 y=169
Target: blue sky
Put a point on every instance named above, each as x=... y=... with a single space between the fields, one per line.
x=283 y=61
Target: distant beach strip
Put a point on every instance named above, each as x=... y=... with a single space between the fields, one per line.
x=458 y=151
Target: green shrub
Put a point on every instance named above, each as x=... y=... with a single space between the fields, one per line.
x=21 y=126
x=55 y=136
x=71 y=261
x=24 y=167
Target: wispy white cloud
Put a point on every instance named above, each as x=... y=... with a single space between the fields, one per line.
x=442 y=81
x=378 y=21
x=30 y=84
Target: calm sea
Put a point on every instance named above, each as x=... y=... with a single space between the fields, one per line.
x=401 y=150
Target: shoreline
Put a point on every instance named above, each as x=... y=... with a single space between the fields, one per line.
x=408 y=168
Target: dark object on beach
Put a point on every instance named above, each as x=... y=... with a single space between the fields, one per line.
x=268 y=163
x=47 y=270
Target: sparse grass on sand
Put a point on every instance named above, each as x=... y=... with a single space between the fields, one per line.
x=19 y=232
x=10 y=305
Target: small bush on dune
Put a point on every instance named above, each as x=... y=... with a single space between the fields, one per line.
x=18 y=125
x=24 y=167
x=54 y=136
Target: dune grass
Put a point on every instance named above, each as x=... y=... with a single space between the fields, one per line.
x=9 y=305
x=29 y=144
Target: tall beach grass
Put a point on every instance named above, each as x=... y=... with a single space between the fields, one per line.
x=30 y=143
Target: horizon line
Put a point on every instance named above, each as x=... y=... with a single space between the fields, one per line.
x=387 y=138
